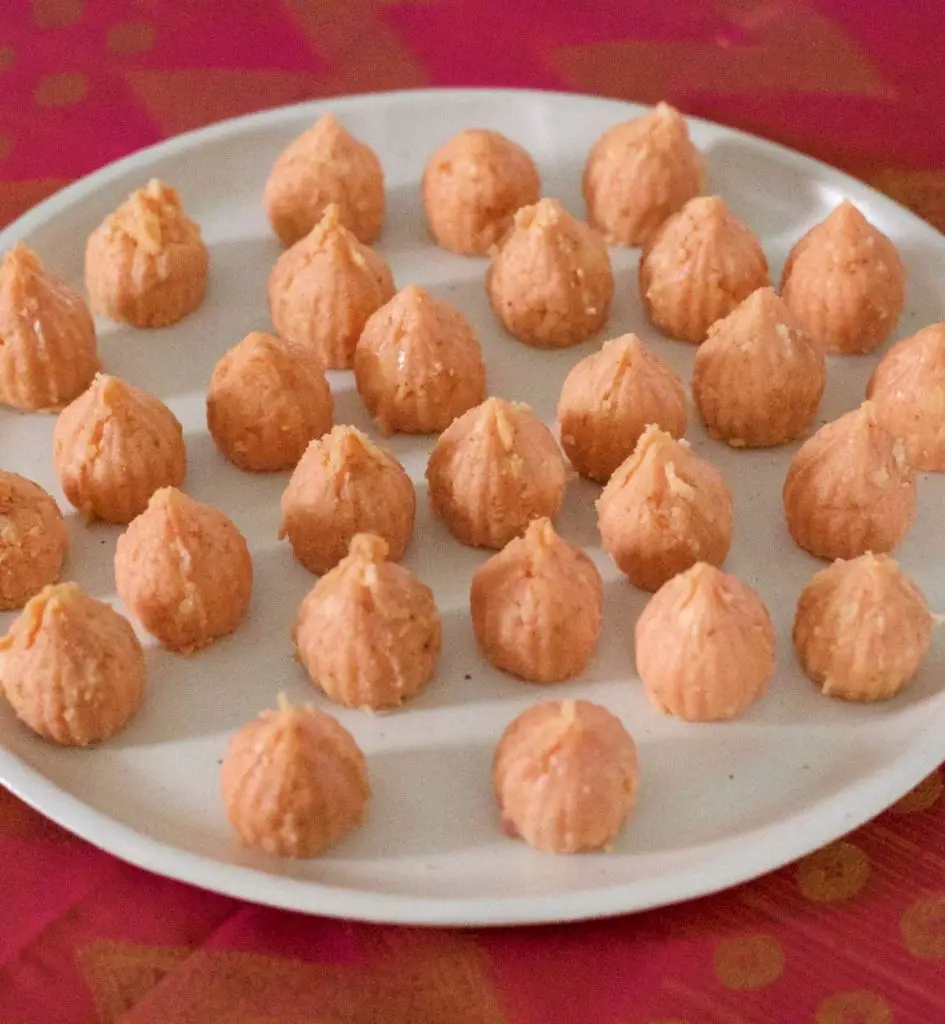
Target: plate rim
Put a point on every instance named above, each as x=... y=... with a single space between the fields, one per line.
x=735 y=860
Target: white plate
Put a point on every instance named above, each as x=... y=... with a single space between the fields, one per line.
x=719 y=804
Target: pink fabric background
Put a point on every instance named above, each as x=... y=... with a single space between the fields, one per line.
x=854 y=934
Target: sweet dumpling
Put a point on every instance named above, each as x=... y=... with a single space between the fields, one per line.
x=698 y=267
x=850 y=489
x=183 y=569
x=494 y=470
x=326 y=164
x=344 y=485
x=147 y=264
x=418 y=364
x=114 y=446
x=845 y=281
x=33 y=540
x=472 y=187
x=369 y=633
x=704 y=646
x=48 y=349
x=537 y=606
x=758 y=378
x=610 y=397
x=565 y=776
x=663 y=510
x=71 y=667
x=639 y=173
x=908 y=391
x=862 y=629
x=323 y=290
x=268 y=399
x=550 y=281
x=294 y=782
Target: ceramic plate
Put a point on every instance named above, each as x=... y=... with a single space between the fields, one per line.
x=719 y=804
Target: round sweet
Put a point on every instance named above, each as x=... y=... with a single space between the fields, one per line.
x=325 y=164
x=472 y=187
x=34 y=540
x=48 y=351
x=323 y=289
x=908 y=390
x=862 y=629
x=845 y=282
x=184 y=571
x=492 y=471
x=268 y=399
x=294 y=782
x=368 y=633
x=71 y=667
x=704 y=646
x=638 y=174
x=147 y=264
x=698 y=267
x=114 y=446
x=849 y=488
x=418 y=364
x=663 y=510
x=608 y=400
x=345 y=485
x=758 y=377
x=537 y=606
x=550 y=281
x=565 y=775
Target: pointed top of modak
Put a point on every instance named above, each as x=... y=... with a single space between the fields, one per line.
x=763 y=318
x=19 y=264
x=153 y=217
x=622 y=352
x=698 y=267
x=655 y=448
x=328 y=139
x=368 y=547
x=544 y=216
x=344 y=448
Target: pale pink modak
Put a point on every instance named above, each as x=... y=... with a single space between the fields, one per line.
x=908 y=390
x=663 y=510
x=418 y=364
x=537 y=606
x=147 y=264
x=294 y=782
x=184 y=571
x=369 y=633
x=323 y=289
x=268 y=399
x=609 y=398
x=862 y=629
x=639 y=173
x=325 y=164
x=698 y=267
x=850 y=489
x=48 y=350
x=550 y=281
x=71 y=667
x=494 y=470
x=758 y=377
x=33 y=540
x=114 y=446
x=344 y=485
x=472 y=187
x=846 y=283
x=704 y=646
x=565 y=776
